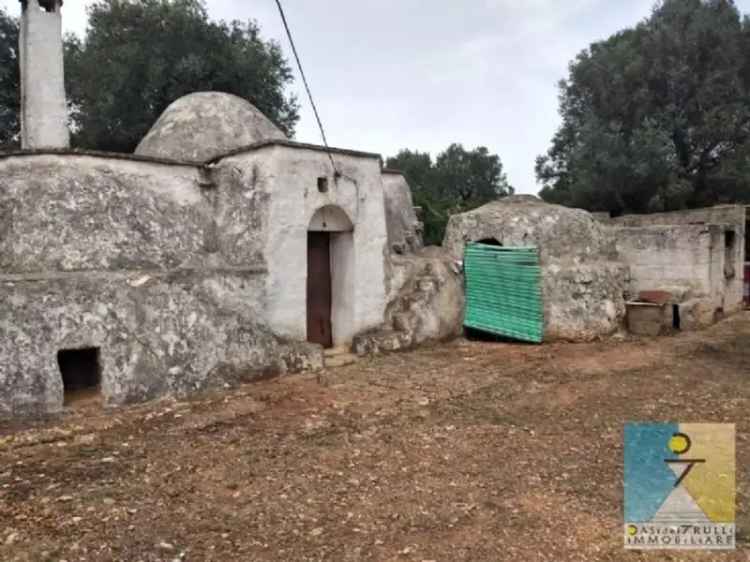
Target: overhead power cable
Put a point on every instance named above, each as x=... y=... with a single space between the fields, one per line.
x=307 y=87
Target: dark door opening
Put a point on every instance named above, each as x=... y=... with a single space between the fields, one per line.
x=676 y=323
x=81 y=373
x=319 y=329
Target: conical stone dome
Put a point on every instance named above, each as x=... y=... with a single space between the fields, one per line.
x=201 y=126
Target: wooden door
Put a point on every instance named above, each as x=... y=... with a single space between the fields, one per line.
x=319 y=328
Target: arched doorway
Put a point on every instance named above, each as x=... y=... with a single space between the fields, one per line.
x=330 y=258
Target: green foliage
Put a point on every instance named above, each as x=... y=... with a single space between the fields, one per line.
x=138 y=56
x=656 y=117
x=458 y=180
x=9 y=81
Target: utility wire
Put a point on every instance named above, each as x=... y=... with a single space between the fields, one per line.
x=307 y=87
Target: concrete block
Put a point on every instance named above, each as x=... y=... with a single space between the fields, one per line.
x=647 y=319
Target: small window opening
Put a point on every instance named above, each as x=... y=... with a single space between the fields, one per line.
x=323 y=185
x=81 y=373
x=676 y=316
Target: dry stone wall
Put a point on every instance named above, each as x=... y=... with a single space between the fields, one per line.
x=155 y=265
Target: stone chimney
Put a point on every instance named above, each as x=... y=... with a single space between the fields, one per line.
x=44 y=111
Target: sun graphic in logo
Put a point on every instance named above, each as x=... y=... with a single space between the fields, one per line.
x=632 y=530
x=679 y=444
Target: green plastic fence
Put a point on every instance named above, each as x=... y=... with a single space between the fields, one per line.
x=503 y=291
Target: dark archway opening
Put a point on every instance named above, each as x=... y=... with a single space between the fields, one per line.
x=81 y=373
x=474 y=335
x=676 y=323
x=489 y=242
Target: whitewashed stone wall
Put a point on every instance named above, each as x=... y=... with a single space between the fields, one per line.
x=287 y=175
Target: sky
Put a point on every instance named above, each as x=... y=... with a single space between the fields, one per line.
x=422 y=74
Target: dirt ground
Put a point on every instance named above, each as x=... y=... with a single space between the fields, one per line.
x=463 y=452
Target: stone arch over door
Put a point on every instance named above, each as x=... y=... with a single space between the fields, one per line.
x=330 y=277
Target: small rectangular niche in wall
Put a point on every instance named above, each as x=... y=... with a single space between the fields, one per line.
x=730 y=237
x=730 y=241
x=323 y=185
x=81 y=374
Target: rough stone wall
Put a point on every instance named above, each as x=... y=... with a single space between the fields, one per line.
x=425 y=303
x=583 y=279
x=667 y=257
x=431 y=273
x=83 y=213
x=44 y=112
x=155 y=264
x=404 y=228
x=688 y=248
x=158 y=334
x=288 y=175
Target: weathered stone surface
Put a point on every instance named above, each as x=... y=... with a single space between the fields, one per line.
x=201 y=126
x=182 y=276
x=404 y=228
x=666 y=255
x=583 y=301
x=78 y=213
x=426 y=296
x=700 y=250
x=159 y=266
x=425 y=303
x=583 y=281
x=559 y=232
x=161 y=334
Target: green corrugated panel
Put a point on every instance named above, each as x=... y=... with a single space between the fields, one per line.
x=503 y=291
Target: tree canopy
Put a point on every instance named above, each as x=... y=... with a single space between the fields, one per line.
x=656 y=117
x=456 y=181
x=138 y=56
x=9 y=81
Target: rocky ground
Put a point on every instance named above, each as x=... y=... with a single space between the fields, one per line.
x=464 y=452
